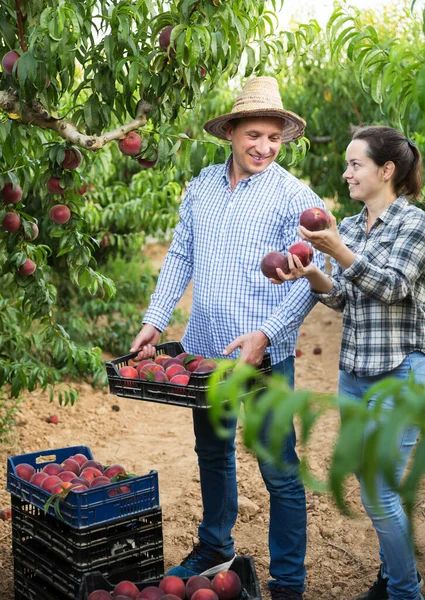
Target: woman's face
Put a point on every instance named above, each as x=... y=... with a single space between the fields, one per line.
x=365 y=179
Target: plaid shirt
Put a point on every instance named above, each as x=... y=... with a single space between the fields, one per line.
x=220 y=240
x=382 y=294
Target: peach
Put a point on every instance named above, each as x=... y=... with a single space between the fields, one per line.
x=79 y=487
x=11 y=222
x=205 y=594
x=170 y=597
x=172 y=361
x=90 y=473
x=60 y=214
x=122 y=489
x=131 y=144
x=80 y=481
x=146 y=163
x=99 y=595
x=100 y=480
x=314 y=219
x=66 y=476
x=8 y=61
x=151 y=592
x=161 y=358
x=6 y=514
x=303 y=251
x=54 y=186
x=53 y=419
x=37 y=478
x=28 y=268
x=73 y=159
x=165 y=38
x=92 y=463
x=272 y=261
x=173 y=585
x=113 y=471
x=25 y=471
x=53 y=469
x=11 y=194
x=317 y=350
x=206 y=366
x=50 y=482
x=128 y=372
x=195 y=583
x=180 y=379
x=227 y=584
x=70 y=464
x=173 y=370
x=80 y=458
x=29 y=237
x=144 y=362
x=126 y=588
x=160 y=376
x=61 y=487
x=191 y=365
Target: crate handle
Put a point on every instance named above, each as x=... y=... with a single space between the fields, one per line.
x=43 y=459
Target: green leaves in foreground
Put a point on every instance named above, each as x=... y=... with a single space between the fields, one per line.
x=367 y=442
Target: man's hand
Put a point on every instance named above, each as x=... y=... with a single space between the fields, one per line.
x=252 y=347
x=145 y=341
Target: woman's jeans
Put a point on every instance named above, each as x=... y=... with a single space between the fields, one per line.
x=217 y=464
x=390 y=522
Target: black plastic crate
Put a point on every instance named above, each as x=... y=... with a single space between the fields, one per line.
x=92 y=507
x=66 y=578
x=89 y=548
x=29 y=586
x=242 y=565
x=194 y=395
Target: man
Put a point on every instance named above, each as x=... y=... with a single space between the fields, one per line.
x=231 y=216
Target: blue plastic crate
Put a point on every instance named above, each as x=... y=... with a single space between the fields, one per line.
x=88 y=508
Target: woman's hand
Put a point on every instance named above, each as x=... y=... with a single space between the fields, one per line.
x=327 y=241
x=297 y=270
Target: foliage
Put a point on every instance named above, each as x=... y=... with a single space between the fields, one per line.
x=367 y=442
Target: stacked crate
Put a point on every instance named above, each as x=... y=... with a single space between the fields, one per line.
x=118 y=535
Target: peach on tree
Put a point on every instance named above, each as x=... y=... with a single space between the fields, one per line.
x=11 y=222
x=8 y=61
x=165 y=38
x=73 y=159
x=131 y=144
x=11 y=194
x=60 y=214
x=54 y=187
x=27 y=268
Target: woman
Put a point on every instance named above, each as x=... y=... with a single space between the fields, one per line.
x=378 y=282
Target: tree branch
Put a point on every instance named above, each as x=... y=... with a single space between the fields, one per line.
x=35 y=114
x=20 y=20
x=321 y=139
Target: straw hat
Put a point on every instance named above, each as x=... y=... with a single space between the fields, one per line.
x=259 y=98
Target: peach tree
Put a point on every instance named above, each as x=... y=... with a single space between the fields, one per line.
x=96 y=101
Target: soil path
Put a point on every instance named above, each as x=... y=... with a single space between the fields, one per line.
x=342 y=552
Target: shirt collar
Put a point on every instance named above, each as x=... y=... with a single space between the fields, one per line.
x=248 y=180
x=393 y=209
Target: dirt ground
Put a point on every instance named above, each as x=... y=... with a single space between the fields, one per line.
x=342 y=556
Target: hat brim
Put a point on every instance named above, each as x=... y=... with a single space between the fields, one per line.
x=293 y=128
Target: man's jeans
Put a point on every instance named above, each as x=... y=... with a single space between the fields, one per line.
x=287 y=531
x=390 y=522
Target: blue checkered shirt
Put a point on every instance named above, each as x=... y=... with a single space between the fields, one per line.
x=219 y=242
x=382 y=294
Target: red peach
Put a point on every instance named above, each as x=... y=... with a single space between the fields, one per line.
x=272 y=261
x=79 y=487
x=90 y=473
x=151 y=592
x=92 y=463
x=195 y=583
x=54 y=187
x=99 y=595
x=227 y=585
x=113 y=471
x=73 y=159
x=131 y=144
x=80 y=458
x=50 y=482
x=53 y=469
x=192 y=365
x=142 y=363
x=126 y=588
x=161 y=358
x=80 y=481
x=61 y=487
x=8 y=61
x=206 y=366
x=172 y=361
x=173 y=370
x=128 y=372
x=315 y=219
x=160 y=376
x=37 y=478
x=32 y=236
x=146 y=163
x=11 y=222
x=180 y=379
x=298 y=353
x=204 y=594
x=66 y=476
x=70 y=464
x=53 y=419
x=171 y=584
x=11 y=194
x=303 y=251
x=28 y=268
x=101 y=480
x=60 y=214
x=317 y=350
x=165 y=38
x=122 y=489
x=25 y=471
x=6 y=514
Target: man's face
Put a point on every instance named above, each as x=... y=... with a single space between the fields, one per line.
x=256 y=143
